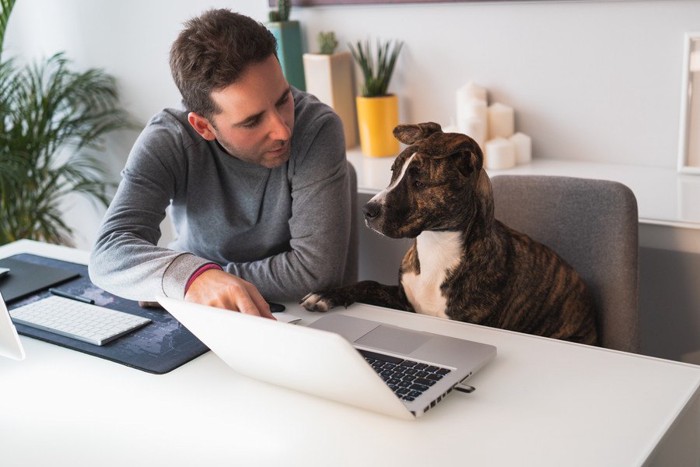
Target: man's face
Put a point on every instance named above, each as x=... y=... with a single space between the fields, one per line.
x=257 y=116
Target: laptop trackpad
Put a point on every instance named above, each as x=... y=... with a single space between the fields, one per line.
x=393 y=339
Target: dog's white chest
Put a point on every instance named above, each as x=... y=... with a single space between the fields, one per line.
x=438 y=252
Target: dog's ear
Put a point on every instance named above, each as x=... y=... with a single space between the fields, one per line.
x=469 y=157
x=409 y=134
x=470 y=161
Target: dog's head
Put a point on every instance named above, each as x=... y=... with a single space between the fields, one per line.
x=437 y=183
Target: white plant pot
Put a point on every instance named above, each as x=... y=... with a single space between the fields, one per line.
x=331 y=79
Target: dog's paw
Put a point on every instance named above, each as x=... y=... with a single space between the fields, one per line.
x=317 y=302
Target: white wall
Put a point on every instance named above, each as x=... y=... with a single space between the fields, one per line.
x=594 y=80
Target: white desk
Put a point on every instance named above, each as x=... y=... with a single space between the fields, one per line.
x=540 y=403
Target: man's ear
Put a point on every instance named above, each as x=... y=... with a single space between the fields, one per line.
x=202 y=126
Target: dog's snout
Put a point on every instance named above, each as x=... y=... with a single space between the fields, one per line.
x=371 y=210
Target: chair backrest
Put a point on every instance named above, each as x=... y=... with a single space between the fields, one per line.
x=593 y=225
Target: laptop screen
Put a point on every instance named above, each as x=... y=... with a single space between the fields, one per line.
x=10 y=345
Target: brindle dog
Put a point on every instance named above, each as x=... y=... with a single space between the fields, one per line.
x=464 y=264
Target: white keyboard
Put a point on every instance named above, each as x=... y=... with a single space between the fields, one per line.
x=82 y=321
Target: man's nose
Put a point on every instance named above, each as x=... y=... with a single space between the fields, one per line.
x=279 y=130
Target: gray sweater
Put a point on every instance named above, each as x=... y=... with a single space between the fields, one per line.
x=286 y=230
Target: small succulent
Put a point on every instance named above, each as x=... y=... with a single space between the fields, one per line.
x=282 y=11
x=327 y=42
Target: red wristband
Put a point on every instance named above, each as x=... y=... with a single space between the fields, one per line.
x=199 y=271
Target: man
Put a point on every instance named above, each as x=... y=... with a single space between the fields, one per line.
x=255 y=174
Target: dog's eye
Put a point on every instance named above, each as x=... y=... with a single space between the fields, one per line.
x=418 y=184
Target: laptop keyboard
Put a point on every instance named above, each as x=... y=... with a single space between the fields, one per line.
x=82 y=321
x=408 y=379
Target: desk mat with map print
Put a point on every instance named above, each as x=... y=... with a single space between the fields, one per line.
x=158 y=347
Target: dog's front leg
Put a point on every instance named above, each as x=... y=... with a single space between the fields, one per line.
x=370 y=292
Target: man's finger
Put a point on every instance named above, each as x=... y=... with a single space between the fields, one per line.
x=260 y=303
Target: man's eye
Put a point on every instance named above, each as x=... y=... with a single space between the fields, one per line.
x=251 y=124
x=283 y=101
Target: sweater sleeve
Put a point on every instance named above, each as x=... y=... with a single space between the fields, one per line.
x=126 y=259
x=320 y=222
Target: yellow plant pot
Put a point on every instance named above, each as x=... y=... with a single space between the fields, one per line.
x=376 y=118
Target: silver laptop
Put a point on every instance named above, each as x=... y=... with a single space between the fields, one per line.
x=320 y=359
x=10 y=345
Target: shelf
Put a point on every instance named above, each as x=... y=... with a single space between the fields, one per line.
x=664 y=196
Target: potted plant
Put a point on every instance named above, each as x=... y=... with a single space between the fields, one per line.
x=329 y=76
x=52 y=121
x=289 y=50
x=377 y=110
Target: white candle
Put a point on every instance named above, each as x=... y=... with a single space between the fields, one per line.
x=695 y=61
x=472 y=108
x=501 y=121
x=451 y=128
x=475 y=128
x=471 y=91
x=472 y=119
x=472 y=104
x=500 y=154
x=523 y=147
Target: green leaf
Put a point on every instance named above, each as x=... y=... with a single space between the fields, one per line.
x=6 y=7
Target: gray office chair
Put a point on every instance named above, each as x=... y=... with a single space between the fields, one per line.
x=593 y=225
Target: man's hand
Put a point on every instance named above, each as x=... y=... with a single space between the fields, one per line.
x=223 y=290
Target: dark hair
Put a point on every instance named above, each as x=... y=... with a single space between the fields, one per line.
x=212 y=52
